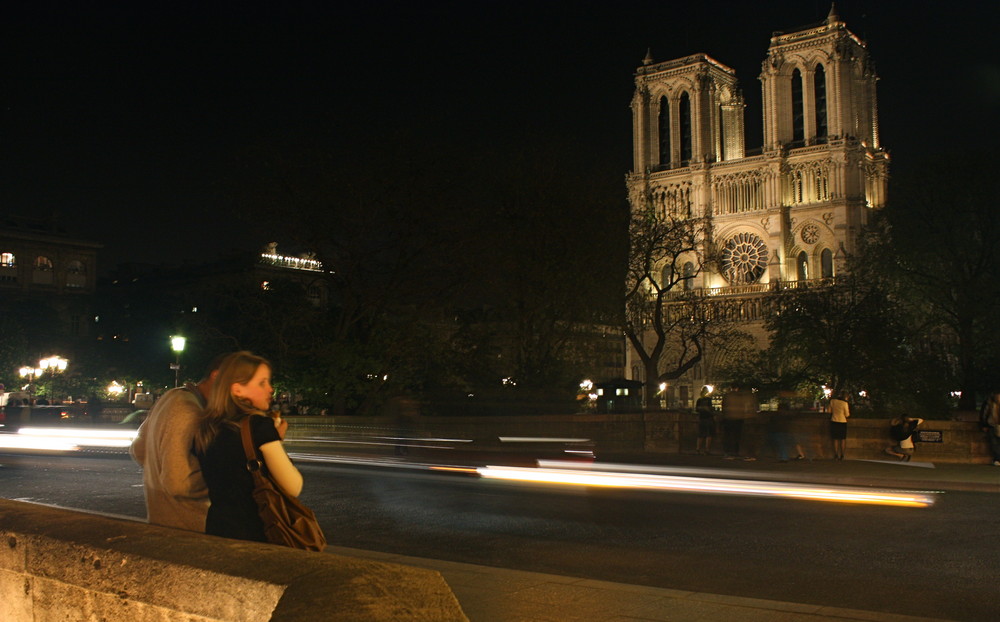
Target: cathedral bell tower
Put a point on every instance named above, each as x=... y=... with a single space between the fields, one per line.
x=785 y=216
x=685 y=111
x=818 y=84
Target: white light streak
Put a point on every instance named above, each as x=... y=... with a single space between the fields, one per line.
x=72 y=438
x=35 y=443
x=589 y=477
x=541 y=439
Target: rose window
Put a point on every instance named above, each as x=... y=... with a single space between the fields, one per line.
x=810 y=234
x=744 y=259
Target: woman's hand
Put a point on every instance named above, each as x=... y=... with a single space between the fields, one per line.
x=281 y=425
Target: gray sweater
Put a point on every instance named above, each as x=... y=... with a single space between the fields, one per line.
x=176 y=494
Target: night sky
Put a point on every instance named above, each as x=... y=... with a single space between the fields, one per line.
x=134 y=123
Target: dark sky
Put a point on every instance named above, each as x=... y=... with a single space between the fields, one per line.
x=133 y=122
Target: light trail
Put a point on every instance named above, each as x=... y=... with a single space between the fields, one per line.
x=66 y=439
x=588 y=477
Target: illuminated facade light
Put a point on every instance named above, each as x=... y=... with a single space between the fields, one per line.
x=293 y=263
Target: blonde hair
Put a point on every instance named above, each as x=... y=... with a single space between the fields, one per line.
x=224 y=408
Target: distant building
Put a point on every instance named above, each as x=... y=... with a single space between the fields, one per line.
x=42 y=263
x=786 y=216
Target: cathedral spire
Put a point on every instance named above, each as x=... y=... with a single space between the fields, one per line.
x=832 y=18
x=649 y=57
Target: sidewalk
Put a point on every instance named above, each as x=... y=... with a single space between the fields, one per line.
x=499 y=595
x=489 y=594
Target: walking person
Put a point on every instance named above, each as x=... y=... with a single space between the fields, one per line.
x=706 y=421
x=172 y=483
x=840 y=410
x=737 y=406
x=242 y=391
x=989 y=421
x=779 y=432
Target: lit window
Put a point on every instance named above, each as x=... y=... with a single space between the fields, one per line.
x=265 y=285
x=7 y=260
x=43 y=263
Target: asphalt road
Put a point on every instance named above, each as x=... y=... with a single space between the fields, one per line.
x=939 y=562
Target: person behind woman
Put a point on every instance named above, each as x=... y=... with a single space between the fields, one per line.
x=242 y=390
x=839 y=412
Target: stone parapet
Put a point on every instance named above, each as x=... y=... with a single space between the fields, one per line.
x=66 y=565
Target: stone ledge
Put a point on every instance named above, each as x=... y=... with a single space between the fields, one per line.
x=65 y=565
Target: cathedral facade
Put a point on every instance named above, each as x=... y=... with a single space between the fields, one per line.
x=785 y=215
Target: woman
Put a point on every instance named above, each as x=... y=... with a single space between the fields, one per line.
x=242 y=389
x=839 y=412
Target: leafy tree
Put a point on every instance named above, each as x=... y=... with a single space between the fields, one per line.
x=843 y=336
x=547 y=231
x=379 y=222
x=412 y=236
x=943 y=223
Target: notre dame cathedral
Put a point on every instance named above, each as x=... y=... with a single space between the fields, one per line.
x=785 y=215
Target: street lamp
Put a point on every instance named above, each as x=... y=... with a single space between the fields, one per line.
x=177 y=345
x=54 y=365
x=30 y=373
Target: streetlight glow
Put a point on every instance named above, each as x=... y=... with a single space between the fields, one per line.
x=177 y=345
x=53 y=364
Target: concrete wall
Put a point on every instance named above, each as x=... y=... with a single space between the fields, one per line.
x=667 y=432
x=67 y=566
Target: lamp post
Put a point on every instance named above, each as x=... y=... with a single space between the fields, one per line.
x=30 y=373
x=177 y=345
x=54 y=365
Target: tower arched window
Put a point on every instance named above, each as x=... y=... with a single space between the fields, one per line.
x=819 y=93
x=76 y=274
x=664 y=130
x=802 y=266
x=826 y=261
x=721 y=149
x=667 y=276
x=688 y=276
x=42 y=273
x=798 y=116
x=76 y=267
x=684 y=112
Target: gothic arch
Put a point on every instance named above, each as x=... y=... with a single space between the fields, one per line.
x=827 y=265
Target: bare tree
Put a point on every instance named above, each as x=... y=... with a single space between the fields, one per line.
x=666 y=321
